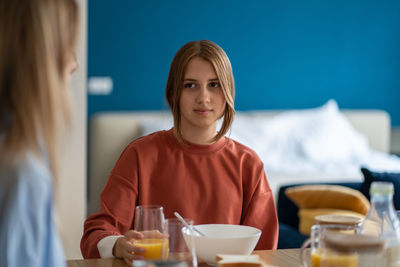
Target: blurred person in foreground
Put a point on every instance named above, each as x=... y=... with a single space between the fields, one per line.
x=37 y=55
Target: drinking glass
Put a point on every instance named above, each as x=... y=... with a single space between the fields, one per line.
x=150 y=221
x=179 y=251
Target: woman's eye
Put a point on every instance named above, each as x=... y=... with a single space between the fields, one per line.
x=214 y=85
x=189 y=85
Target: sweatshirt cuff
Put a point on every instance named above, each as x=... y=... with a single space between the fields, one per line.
x=106 y=245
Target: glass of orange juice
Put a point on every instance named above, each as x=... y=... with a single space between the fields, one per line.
x=150 y=221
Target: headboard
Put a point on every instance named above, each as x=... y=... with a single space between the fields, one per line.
x=111 y=132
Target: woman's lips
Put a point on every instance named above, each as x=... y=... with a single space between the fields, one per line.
x=202 y=111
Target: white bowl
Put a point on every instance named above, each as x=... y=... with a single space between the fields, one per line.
x=222 y=239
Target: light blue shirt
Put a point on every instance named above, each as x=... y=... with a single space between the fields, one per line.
x=28 y=235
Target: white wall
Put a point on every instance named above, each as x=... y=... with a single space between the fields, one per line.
x=71 y=190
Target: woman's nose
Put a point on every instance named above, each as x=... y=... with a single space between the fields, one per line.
x=204 y=94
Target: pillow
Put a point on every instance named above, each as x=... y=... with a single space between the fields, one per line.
x=330 y=137
x=306 y=217
x=328 y=196
x=370 y=176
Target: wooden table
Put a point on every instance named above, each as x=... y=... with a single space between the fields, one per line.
x=281 y=257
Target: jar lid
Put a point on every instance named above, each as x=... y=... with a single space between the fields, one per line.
x=338 y=219
x=353 y=243
x=381 y=188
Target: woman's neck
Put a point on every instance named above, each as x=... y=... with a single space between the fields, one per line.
x=199 y=136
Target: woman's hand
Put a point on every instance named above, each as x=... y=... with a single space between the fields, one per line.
x=125 y=249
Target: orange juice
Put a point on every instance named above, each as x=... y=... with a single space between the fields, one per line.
x=315 y=259
x=333 y=260
x=156 y=248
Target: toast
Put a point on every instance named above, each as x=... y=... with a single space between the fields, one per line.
x=225 y=260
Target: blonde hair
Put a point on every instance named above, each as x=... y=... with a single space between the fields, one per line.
x=38 y=39
x=214 y=54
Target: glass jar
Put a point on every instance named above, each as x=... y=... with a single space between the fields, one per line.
x=353 y=250
x=319 y=255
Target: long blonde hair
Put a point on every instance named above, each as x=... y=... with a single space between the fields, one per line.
x=38 y=38
x=214 y=54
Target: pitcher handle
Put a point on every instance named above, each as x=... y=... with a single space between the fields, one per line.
x=305 y=245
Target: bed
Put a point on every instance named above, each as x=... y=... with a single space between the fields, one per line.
x=323 y=144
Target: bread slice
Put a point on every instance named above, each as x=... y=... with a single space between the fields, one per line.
x=252 y=257
x=225 y=260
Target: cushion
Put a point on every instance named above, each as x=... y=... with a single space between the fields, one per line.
x=287 y=209
x=306 y=217
x=371 y=176
x=328 y=196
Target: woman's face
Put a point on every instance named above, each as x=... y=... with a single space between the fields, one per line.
x=202 y=101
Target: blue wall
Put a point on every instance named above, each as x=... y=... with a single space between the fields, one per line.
x=285 y=54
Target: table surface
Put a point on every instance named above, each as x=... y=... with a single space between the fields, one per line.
x=281 y=257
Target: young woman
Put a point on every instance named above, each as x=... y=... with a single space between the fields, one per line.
x=36 y=57
x=192 y=168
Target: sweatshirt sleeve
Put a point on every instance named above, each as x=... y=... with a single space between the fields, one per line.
x=117 y=202
x=259 y=209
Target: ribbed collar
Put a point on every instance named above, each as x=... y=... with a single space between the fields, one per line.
x=196 y=148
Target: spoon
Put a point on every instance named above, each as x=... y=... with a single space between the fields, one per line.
x=187 y=225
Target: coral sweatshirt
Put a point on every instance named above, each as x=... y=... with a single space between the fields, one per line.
x=222 y=183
